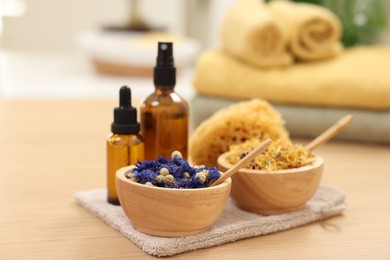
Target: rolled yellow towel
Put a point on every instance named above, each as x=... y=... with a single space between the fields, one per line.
x=250 y=33
x=313 y=32
x=359 y=78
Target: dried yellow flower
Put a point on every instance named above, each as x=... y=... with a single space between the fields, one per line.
x=279 y=155
x=176 y=154
x=160 y=178
x=202 y=176
x=169 y=179
x=164 y=171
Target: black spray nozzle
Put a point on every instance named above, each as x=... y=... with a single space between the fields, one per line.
x=125 y=116
x=165 y=71
x=165 y=54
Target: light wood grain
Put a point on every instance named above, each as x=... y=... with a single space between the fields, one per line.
x=48 y=154
x=121 y=69
x=170 y=212
x=270 y=193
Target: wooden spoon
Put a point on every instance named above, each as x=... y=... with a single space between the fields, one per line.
x=319 y=140
x=329 y=133
x=241 y=163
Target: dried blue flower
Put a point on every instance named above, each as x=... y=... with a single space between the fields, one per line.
x=195 y=183
x=213 y=174
x=145 y=176
x=175 y=173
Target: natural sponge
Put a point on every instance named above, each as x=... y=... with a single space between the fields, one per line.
x=233 y=125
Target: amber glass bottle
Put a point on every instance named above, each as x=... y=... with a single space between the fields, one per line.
x=124 y=145
x=164 y=114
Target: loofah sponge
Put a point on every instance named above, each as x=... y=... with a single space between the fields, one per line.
x=233 y=125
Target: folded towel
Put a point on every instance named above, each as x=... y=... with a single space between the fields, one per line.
x=313 y=32
x=250 y=33
x=359 y=78
x=304 y=121
x=234 y=224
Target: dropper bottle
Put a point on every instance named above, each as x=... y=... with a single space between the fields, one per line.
x=164 y=114
x=124 y=145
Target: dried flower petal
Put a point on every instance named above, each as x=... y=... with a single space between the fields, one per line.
x=279 y=155
x=202 y=176
x=160 y=178
x=164 y=171
x=175 y=173
x=176 y=154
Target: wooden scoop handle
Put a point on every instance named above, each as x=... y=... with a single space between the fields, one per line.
x=329 y=133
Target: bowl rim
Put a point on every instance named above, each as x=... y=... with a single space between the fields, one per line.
x=317 y=163
x=120 y=174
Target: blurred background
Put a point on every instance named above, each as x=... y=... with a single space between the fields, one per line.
x=46 y=46
x=58 y=48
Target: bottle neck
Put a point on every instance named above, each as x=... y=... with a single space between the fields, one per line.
x=164 y=90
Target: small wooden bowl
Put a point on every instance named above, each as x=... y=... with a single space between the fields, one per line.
x=170 y=212
x=278 y=192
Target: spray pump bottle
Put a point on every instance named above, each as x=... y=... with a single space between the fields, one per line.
x=164 y=114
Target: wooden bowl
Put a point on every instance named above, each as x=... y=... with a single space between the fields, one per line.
x=170 y=212
x=278 y=192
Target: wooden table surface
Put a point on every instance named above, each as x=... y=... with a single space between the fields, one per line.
x=50 y=149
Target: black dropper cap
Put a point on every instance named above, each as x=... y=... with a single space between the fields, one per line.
x=165 y=71
x=125 y=116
